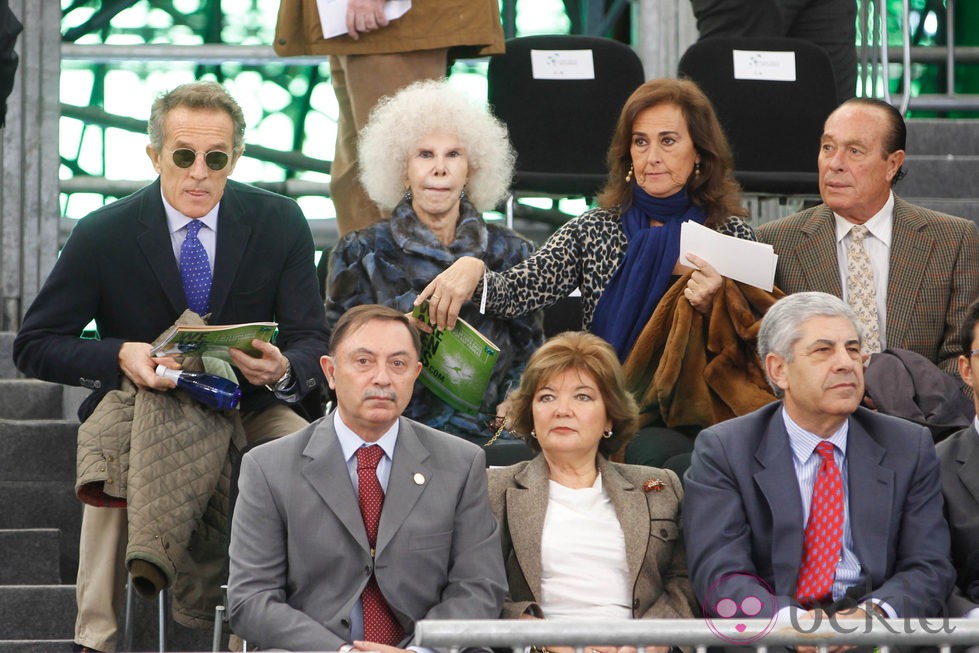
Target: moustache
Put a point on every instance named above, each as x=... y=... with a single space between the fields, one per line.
x=380 y=394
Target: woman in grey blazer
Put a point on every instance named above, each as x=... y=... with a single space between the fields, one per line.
x=582 y=536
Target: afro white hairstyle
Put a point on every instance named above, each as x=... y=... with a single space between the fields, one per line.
x=398 y=123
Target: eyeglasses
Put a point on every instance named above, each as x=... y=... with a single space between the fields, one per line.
x=215 y=159
x=973 y=352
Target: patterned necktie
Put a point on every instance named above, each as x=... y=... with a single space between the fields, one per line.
x=824 y=533
x=860 y=288
x=195 y=271
x=379 y=624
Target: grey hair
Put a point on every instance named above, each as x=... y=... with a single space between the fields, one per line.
x=195 y=95
x=399 y=122
x=781 y=327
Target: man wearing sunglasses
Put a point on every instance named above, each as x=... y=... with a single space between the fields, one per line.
x=191 y=239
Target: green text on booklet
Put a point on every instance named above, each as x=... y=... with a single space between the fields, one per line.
x=457 y=364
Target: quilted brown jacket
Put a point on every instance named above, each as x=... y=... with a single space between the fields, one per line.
x=168 y=459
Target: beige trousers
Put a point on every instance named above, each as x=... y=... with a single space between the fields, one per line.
x=100 y=587
x=359 y=81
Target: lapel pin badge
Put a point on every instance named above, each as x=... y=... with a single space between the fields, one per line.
x=418 y=478
x=653 y=485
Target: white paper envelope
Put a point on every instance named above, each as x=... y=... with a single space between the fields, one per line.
x=742 y=260
x=333 y=14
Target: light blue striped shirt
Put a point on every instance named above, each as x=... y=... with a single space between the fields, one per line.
x=177 y=224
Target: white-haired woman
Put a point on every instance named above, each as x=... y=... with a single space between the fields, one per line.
x=436 y=160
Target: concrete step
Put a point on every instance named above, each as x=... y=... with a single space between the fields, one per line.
x=963 y=208
x=945 y=136
x=30 y=556
x=31 y=399
x=37 y=450
x=940 y=175
x=42 y=618
x=45 y=504
x=37 y=612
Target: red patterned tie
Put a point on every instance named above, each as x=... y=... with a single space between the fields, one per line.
x=824 y=533
x=379 y=624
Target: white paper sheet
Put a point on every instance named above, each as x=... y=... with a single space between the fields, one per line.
x=562 y=64
x=766 y=65
x=742 y=260
x=333 y=14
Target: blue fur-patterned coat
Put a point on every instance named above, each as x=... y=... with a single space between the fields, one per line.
x=391 y=261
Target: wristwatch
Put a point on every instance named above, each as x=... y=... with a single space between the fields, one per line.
x=283 y=381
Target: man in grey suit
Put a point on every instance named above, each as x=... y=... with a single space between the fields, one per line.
x=959 y=458
x=922 y=263
x=305 y=564
x=752 y=486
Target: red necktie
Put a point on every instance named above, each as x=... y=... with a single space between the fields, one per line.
x=379 y=624
x=824 y=533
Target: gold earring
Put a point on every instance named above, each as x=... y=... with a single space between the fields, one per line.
x=628 y=175
x=607 y=433
x=696 y=169
x=532 y=434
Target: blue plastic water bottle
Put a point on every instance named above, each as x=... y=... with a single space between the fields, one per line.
x=209 y=389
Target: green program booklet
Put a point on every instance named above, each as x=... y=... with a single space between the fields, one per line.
x=212 y=340
x=457 y=364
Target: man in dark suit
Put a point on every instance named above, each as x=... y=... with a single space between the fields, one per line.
x=121 y=266
x=923 y=264
x=755 y=481
x=331 y=553
x=959 y=458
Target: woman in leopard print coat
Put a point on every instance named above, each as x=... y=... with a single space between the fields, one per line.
x=669 y=160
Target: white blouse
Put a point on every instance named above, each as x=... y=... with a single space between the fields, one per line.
x=584 y=573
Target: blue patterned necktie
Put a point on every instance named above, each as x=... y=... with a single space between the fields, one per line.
x=195 y=271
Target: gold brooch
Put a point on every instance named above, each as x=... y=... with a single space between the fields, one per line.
x=653 y=485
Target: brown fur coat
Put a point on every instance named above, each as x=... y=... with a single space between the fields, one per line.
x=687 y=369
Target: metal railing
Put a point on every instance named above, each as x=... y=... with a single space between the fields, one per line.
x=882 y=53
x=641 y=633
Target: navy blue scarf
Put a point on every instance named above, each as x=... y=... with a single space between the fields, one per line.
x=644 y=274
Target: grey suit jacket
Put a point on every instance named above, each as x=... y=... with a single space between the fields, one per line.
x=933 y=275
x=958 y=456
x=299 y=552
x=650 y=523
x=743 y=511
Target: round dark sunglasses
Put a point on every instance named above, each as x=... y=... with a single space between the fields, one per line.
x=185 y=157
